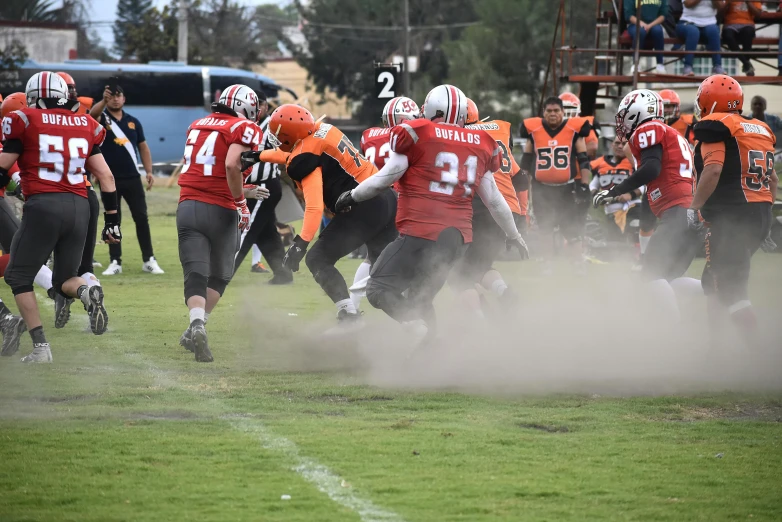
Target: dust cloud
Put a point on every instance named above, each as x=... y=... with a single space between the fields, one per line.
x=567 y=336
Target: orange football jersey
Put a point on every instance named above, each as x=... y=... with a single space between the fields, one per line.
x=555 y=149
x=684 y=124
x=500 y=131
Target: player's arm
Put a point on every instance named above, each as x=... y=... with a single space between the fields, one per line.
x=651 y=165
x=7 y=160
x=395 y=166
x=583 y=160
x=97 y=165
x=492 y=197
x=528 y=158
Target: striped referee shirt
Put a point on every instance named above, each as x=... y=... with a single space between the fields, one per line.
x=262 y=172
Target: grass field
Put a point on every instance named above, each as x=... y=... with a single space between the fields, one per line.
x=594 y=416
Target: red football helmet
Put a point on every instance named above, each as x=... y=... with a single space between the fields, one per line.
x=671 y=104
x=571 y=104
x=718 y=93
x=13 y=102
x=473 y=116
x=290 y=123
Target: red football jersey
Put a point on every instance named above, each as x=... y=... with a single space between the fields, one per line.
x=202 y=177
x=375 y=146
x=445 y=163
x=56 y=144
x=674 y=186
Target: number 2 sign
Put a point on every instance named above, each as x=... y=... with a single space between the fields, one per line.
x=386 y=81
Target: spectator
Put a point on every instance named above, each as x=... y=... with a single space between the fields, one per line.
x=123 y=145
x=652 y=14
x=739 y=28
x=699 y=24
x=672 y=18
x=758 y=107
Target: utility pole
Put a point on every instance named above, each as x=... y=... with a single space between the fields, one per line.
x=406 y=65
x=182 y=36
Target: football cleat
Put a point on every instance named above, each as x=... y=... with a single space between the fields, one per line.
x=200 y=341
x=99 y=319
x=12 y=327
x=186 y=340
x=62 y=310
x=113 y=269
x=152 y=267
x=258 y=268
x=41 y=353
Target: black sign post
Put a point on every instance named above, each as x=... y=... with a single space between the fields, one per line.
x=387 y=78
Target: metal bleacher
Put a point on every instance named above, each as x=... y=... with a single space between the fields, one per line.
x=610 y=72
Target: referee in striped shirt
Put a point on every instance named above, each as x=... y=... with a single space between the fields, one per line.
x=263 y=220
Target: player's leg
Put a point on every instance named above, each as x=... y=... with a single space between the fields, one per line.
x=544 y=206
x=375 y=247
x=393 y=273
x=9 y=224
x=115 y=250
x=85 y=269
x=248 y=237
x=345 y=233
x=194 y=256
x=572 y=222
x=31 y=247
x=648 y=222
x=12 y=327
x=255 y=254
x=270 y=243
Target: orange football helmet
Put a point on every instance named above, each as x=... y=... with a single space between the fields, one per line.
x=571 y=104
x=290 y=123
x=72 y=94
x=472 y=113
x=718 y=93
x=671 y=104
x=13 y=102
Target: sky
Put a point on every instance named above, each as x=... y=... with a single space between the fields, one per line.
x=106 y=11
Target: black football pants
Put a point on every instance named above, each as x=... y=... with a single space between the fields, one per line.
x=92 y=233
x=132 y=190
x=263 y=229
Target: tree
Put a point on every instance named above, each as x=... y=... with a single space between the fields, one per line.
x=28 y=10
x=130 y=14
x=155 y=38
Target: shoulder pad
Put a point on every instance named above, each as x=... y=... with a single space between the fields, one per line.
x=711 y=130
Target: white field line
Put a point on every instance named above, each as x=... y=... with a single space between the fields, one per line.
x=325 y=480
x=315 y=473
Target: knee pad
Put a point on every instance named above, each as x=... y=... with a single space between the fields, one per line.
x=195 y=284
x=217 y=284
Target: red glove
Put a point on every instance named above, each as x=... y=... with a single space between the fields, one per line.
x=244 y=213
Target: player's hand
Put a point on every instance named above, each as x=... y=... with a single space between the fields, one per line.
x=295 y=254
x=249 y=158
x=768 y=245
x=111 y=233
x=244 y=213
x=256 y=192
x=16 y=192
x=603 y=197
x=345 y=202
x=581 y=192
x=519 y=244
x=694 y=221
x=150 y=181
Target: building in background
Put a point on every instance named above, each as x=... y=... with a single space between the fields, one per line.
x=44 y=42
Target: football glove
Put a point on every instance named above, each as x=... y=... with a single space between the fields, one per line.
x=520 y=245
x=694 y=221
x=581 y=192
x=111 y=232
x=250 y=158
x=603 y=197
x=295 y=254
x=244 y=213
x=345 y=202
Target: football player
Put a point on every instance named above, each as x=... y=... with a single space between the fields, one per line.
x=323 y=161
x=85 y=102
x=375 y=147
x=555 y=157
x=488 y=239
x=673 y=116
x=736 y=189
x=665 y=166
x=610 y=170
x=212 y=207
x=53 y=145
x=438 y=165
x=571 y=105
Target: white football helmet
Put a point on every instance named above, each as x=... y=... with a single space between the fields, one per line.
x=399 y=109
x=45 y=85
x=637 y=107
x=447 y=102
x=241 y=99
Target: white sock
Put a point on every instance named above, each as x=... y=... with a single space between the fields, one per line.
x=362 y=272
x=665 y=298
x=90 y=279
x=499 y=286
x=44 y=278
x=206 y=316
x=256 y=253
x=687 y=286
x=346 y=304
x=643 y=241
x=197 y=313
